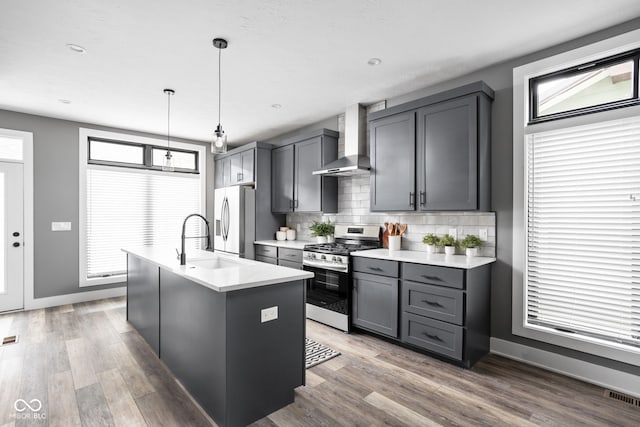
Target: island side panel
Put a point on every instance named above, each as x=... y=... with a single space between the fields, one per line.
x=266 y=360
x=143 y=299
x=193 y=342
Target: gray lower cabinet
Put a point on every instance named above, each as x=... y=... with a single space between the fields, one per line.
x=393 y=151
x=286 y=257
x=442 y=311
x=143 y=300
x=294 y=187
x=375 y=303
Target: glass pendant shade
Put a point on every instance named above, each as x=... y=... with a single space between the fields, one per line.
x=167 y=162
x=219 y=143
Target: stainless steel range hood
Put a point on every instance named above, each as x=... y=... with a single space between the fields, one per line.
x=355 y=160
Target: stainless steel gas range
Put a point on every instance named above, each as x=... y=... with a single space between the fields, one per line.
x=329 y=292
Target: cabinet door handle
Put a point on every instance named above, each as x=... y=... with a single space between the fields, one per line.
x=411 y=199
x=239 y=176
x=296 y=204
x=432 y=337
x=375 y=268
x=423 y=198
x=432 y=303
x=436 y=278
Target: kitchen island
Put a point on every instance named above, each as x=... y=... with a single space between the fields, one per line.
x=231 y=330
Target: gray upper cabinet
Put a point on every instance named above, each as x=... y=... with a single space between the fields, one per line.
x=447 y=161
x=433 y=154
x=282 y=179
x=234 y=169
x=392 y=149
x=294 y=187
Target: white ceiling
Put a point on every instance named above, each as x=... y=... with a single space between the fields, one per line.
x=309 y=56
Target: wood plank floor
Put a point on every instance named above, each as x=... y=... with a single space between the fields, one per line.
x=88 y=367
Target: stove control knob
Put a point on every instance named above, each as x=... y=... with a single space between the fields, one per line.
x=334 y=259
x=323 y=257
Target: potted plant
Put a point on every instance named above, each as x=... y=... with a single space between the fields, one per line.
x=432 y=241
x=449 y=243
x=322 y=231
x=470 y=244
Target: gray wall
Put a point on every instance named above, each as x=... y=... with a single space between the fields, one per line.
x=56 y=188
x=499 y=77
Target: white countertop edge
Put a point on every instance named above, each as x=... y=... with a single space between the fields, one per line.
x=232 y=277
x=418 y=257
x=291 y=244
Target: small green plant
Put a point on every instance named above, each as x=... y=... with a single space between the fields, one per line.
x=319 y=229
x=448 y=240
x=431 y=239
x=471 y=241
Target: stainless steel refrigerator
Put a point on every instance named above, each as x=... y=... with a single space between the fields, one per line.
x=234 y=221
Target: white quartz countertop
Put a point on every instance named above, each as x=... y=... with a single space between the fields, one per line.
x=291 y=244
x=222 y=273
x=417 y=257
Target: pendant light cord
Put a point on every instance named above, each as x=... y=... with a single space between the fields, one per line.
x=219 y=83
x=168 y=119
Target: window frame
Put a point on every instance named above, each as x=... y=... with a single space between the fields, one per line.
x=522 y=127
x=534 y=82
x=147 y=155
x=83 y=160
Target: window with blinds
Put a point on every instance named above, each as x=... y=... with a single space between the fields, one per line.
x=129 y=207
x=583 y=231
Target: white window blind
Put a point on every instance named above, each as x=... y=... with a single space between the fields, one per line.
x=583 y=231
x=130 y=207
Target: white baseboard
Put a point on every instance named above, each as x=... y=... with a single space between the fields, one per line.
x=74 y=298
x=574 y=368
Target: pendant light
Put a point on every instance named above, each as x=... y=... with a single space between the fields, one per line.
x=167 y=162
x=219 y=143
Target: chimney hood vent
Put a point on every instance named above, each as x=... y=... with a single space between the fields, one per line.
x=355 y=160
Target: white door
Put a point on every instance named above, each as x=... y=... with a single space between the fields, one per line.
x=11 y=238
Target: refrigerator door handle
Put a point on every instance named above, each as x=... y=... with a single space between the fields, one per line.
x=226 y=218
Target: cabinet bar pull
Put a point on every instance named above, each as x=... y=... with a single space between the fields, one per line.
x=423 y=198
x=411 y=199
x=432 y=303
x=296 y=204
x=436 y=278
x=433 y=337
x=375 y=268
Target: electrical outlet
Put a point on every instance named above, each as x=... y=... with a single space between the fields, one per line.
x=453 y=232
x=268 y=314
x=483 y=235
x=298 y=228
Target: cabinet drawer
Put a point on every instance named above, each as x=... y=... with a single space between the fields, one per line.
x=376 y=266
x=264 y=250
x=294 y=255
x=434 y=275
x=290 y=264
x=266 y=259
x=435 y=302
x=433 y=335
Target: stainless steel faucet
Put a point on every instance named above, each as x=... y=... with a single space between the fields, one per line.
x=183 y=255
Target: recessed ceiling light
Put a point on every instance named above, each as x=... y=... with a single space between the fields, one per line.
x=76 y=48
x=276 y=106
x=374 y=61
x=64 y=101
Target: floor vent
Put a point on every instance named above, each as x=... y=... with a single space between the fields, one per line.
x=10 y=340
x=622 y=397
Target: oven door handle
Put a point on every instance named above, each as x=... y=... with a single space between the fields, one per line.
x=343 y=268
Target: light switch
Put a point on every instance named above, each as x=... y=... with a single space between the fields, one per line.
x=268 y=314
x=61 y=226
x=482 y=234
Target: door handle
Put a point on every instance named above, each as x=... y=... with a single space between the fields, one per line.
x=433 y=337
x=16 y=244
x=295 y=204
x=423 y=198
x=411 y=199
x=432 y=303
